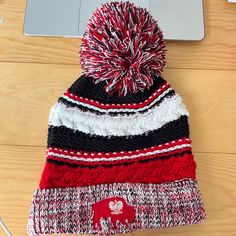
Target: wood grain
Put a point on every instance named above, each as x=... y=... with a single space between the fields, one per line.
x=21 y=168
x=35 y=71
x=28 y=91
x=216 y=51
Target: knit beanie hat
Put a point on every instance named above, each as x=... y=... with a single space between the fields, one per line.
x=119 y=156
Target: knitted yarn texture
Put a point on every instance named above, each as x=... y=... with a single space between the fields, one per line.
x=119 y=154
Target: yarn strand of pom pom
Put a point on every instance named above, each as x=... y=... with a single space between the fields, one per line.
x=124 y=46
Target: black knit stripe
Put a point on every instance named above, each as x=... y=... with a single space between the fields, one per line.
x=85 y=87
x=62 y=137
x=109 y=165
x=86 y=109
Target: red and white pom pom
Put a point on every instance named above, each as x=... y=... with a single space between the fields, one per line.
x=123 y=46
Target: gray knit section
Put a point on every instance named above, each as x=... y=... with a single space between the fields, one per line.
x=69 y=210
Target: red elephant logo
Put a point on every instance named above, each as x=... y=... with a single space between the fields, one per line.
x=114 y=208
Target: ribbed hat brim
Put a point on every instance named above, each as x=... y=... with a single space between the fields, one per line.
x=70 y=210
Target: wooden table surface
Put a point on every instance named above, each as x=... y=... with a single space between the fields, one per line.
x=34 y=72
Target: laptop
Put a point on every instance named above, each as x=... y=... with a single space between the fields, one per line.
x=178 y=19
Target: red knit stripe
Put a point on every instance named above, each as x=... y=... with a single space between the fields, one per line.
x=142 y=158
x=119 y=106
x=119 y=153
x=149 y=172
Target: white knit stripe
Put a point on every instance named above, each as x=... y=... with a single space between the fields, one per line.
x=169 y=110
x=117 y=109
x=50 y=153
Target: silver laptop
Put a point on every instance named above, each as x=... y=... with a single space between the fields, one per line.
x=179 y=19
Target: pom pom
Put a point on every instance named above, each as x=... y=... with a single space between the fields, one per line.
x=124 y=47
